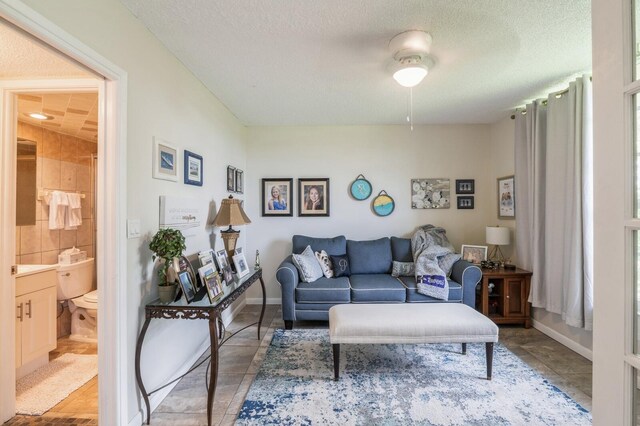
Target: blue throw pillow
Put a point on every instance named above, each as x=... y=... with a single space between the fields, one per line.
x=340 y=266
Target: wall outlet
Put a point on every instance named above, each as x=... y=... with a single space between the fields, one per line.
x=133 y=228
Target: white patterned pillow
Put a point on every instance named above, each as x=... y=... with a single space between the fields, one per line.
x=325 y=263
x=307 y=265
x=403 y=269
x=446 y=262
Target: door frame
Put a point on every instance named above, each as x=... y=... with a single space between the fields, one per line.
x=111 y=204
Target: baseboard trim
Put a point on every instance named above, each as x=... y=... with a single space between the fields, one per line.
x=156 y=399
x=561 y=338
x=258 y=301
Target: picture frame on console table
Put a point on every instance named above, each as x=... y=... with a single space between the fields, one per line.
x=313 y=197
x=224 y=266
x=277 y=197
x=240 y=262
x=187 y=286
x=474 y=254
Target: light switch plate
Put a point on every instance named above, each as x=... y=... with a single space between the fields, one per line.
x=133 y=228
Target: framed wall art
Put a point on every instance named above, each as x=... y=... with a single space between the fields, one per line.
x=430 y=193
x=506 y=198
x=277 y=197
x=313 y=197
x=465 y=202
x=192 y=168
x=165 y=160
x=465 y=186
x=239 y=181
x=474 y=254
x=231 y=179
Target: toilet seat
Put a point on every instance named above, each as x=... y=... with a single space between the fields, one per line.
x=87 y=301
x=92 y=296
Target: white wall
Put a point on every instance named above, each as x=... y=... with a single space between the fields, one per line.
x=388 y=156
x=502 y=148
x=164 y=100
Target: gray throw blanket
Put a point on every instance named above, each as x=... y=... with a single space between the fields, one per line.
x=428 y=244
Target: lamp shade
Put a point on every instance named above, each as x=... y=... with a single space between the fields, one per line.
x=497 y=235
x=231 y=213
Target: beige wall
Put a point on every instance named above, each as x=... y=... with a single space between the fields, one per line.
x=64 y=163
x=389 y=157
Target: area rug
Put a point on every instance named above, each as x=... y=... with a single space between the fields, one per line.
x=38 y=392
x=399 y=385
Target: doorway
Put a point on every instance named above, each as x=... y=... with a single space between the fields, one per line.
x=110 y=84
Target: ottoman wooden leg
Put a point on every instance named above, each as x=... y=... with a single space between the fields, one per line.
x=464 y=349
x=489 y=348
x=336 y=362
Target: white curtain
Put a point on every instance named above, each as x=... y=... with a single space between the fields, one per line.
x=554 y=190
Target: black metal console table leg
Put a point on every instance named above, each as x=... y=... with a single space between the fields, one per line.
x=213 y=374
x=145 y=396
x=264 y=304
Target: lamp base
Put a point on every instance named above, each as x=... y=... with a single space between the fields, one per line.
x=230 y=238
x=496 y=255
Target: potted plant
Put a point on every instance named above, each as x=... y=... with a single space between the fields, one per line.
x=167 y=244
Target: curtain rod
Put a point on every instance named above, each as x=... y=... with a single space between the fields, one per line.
x=545 y=101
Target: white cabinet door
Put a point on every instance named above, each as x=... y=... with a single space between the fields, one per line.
x=39 y=324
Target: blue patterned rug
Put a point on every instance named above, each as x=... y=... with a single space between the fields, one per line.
x=399 y=385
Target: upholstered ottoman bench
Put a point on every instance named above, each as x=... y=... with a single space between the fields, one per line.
x=410 y=323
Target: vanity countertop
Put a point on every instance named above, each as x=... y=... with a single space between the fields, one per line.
x=24 y=270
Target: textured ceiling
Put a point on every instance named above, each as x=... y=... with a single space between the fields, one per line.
x=21 y=57
x=74 y=114
x=292 y=62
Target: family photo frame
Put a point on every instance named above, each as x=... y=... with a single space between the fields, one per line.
x=224 y=266
x=277 y=197
x=313 y=197
x=474 y=254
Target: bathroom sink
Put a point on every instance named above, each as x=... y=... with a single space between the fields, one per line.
x=24 y=270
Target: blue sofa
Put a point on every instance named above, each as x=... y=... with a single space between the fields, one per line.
x=370 y=281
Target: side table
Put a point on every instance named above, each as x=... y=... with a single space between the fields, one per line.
x=507 y=301
x=202 y=309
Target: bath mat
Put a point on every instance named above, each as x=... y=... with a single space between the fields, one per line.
x=394 y=385
x=41 y=390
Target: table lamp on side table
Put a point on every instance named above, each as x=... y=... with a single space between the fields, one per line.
x=230 y=214
x=498 y=236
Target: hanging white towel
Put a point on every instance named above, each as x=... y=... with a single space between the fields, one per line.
x=74 y=212
x=58 y=203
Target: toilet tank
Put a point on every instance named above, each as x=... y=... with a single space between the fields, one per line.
x=75 y=279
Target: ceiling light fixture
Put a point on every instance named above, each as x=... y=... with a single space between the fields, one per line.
x=410 y=50
x=40 y=116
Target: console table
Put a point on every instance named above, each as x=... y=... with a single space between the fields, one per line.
x=202 y=309
x=507 y=302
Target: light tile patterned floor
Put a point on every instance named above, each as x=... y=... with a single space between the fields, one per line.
x=242 y=356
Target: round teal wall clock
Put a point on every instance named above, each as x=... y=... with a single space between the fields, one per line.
x=383 y=204
x=360 y=188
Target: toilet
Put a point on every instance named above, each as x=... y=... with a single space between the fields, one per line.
x=75 y=284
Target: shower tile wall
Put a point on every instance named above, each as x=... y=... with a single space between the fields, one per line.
x=64 y=163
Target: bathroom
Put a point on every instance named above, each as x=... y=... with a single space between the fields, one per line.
x=57 y=137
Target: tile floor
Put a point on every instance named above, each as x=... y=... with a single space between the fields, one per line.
x=241 y=357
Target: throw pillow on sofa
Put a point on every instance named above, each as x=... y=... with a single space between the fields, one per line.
x=403 y=269
x=340 y=266
x=307 y=265
x=325 y=263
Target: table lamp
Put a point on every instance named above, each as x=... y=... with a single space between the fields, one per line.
x=498 y=236
x=230 y=214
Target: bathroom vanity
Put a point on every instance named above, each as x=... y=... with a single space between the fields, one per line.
x=36 y=287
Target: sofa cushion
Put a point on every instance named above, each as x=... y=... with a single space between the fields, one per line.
x=308 y=266
x=335 y=245
x=324 y=290
x=376 y=288
x=340 y=266
x=369 y=257
x=401 y=249
x=455 y=292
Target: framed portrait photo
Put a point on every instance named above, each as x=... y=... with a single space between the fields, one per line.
x=239 y=181
x=211 y=279
x=242 y=268
x=224 y=266
x=506 y=198
x=231 y=179
x=187 y=286
x=465 y=186
x=313 y=197
x=277 y=197
x=192 y=168
x=474 y=254
x=165 y=160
